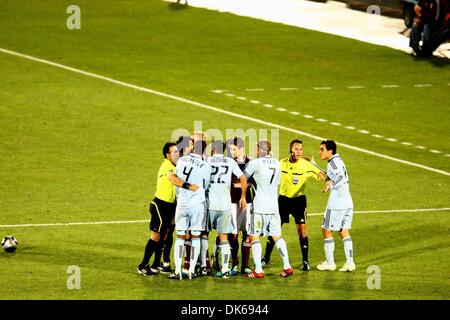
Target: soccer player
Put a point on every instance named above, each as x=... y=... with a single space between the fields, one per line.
x=265 y=218
x=191 y=205
x=162 y=210
x=295 y=173
x=240 y=216
x=219 y=199
x=339 y=212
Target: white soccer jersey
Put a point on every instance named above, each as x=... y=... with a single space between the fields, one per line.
x=266 y=174
x=340 y=197
x=219 y=197
x=194 y=170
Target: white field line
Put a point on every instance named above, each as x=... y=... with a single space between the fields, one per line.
x=333 y=123
x=229 y=113
x=323 y=88
x=147 y=220
x=72 y=223
x=355 y=87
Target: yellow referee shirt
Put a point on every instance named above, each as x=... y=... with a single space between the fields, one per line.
x=165 y=190
x=295 y=175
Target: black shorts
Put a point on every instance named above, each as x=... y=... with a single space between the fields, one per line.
x=292 y=206
x=162 y=215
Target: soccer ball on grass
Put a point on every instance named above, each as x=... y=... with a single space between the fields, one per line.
x=9 y=244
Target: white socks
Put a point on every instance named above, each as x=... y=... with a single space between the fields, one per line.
x=178 y=254
x=329 y=250
x=282 y=250
x=204 y=250
x=257 y=252
x=348 y=249
x=195 y=252
x=225 y=253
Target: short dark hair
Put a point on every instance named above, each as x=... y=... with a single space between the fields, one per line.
x=330 y=145
x=294 y=142
x=237 y=141
x=182 y=143
x=199 y=147
x=218 y=146
x=166 y=148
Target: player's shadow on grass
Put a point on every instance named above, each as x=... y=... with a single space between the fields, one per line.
x=177 y=6
x=439 y=62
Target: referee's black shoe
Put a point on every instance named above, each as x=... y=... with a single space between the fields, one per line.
x=265 y=262
x=305 y=266
x=145 y=270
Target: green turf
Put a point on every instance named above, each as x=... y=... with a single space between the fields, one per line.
x=76 y=148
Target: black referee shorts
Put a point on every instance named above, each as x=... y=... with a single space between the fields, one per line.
x=292 y=206
x=162 y=214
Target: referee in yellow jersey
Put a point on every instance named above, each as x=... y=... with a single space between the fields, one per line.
x=162 y=210
x=295 y=173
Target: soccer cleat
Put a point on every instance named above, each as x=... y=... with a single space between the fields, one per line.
x=203 y=271
x=305 y=266
x=324 y=266
x=234 y=271
x=175 y=275
x=264 y=262
x=166 y=268
x=146 y=270
x=348 y=267
x=246 y=270
x=223 y=275
x=254 y=274
x=192 y=275
x=287 y=272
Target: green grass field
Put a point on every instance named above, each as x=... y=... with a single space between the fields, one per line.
x=80 y=149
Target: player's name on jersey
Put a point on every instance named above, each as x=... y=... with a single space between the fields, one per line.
x=268 y=160
x=218 y=160
x=198 y=162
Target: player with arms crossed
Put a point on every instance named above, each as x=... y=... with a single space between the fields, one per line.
x=339 y=213
x=240 y=216
x=265 y=218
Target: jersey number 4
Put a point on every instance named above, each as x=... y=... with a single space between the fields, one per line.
x=187 y=173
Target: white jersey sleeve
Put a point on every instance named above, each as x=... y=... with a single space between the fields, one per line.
x=340 y=197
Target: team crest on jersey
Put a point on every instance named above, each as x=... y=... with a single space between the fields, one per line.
x=295 y=180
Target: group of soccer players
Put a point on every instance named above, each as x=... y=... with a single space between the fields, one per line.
x=230 y=193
